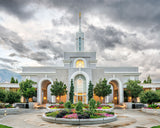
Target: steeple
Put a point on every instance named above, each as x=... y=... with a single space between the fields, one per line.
x=79 y=37
x=79 y=21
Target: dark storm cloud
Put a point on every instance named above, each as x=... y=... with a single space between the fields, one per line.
x=54 y=47
x=7 y=60
x=12 y=40
x=17 y=8
x=110 y=37
x=12 y=54
x=39 y=56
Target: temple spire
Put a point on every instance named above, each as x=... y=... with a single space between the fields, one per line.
x=79 y=21
x=79 y=37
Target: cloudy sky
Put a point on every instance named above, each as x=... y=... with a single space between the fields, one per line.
x=122 y=32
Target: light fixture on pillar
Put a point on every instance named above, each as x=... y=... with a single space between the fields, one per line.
x=44 y=98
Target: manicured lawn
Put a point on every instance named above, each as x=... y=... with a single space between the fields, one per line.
x=156 y=126
x=4 y=126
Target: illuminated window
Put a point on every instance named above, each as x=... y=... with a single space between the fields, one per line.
x=80 y=64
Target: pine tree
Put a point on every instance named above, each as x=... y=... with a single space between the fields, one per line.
x=90 y=91
x=149 y=80
x=16 y=81
x=12 y=80
x=71 y=93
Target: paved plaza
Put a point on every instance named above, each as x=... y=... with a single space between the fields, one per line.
x=126 y=119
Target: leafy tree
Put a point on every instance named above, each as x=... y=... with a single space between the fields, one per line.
x=90 y=91
x=16 y=81
x=133 y=89
x=58 y=89
x=149 y=97
x=71 y=93
x=12 y=80
x=145 y=82
x=12 y=97
x=102 y=89
x=2 y=95
x=26 y=89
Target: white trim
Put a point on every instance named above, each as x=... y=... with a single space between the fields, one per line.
x=120 y=88
x=87 y=80
x=39 y=89
x=75 y=60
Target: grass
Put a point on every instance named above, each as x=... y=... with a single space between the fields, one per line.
x=156 y=126
x=4 y=126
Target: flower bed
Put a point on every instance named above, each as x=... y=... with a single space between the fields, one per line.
x=152 y=109
x=70 y=116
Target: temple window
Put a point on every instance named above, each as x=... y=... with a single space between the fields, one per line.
x=80 y=64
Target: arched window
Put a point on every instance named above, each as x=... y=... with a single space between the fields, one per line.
x=79 y=64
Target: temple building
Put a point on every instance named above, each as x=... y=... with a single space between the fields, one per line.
x=80 y=66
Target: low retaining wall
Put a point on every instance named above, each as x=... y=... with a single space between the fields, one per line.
x=79 y=121
x=9 y=111
x=151 y=111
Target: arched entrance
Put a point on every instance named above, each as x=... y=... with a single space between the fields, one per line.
x=80 y=88
x=81 y=81
x=114 y=97
x=117 y=91
x=43 y=92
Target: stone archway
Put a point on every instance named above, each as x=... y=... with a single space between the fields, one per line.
x=75 y=74
x=117 y=91
x=43 y=91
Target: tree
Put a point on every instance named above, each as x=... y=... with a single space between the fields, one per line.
x=71 y=93
x=16 y=81
x=2 y=95
x=12 y=80
x=148 y=81
x=26 y=89
x=12 y=97
x=133 y=89
x=58 y=89
x=90 y=91
x=102 y=89
x=149 y=97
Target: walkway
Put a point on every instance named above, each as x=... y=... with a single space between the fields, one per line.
x=126 y=119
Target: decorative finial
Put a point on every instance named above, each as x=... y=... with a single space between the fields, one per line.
x=79 y=14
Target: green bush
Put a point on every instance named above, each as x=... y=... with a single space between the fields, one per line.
x=152 y=106
x=79 y=107
x=149 y=97
x=68 y=104
x=52 y=114
x=92 y=106
x=2 y=95
x=98 y=103
x=12 y=97
x=61 y=102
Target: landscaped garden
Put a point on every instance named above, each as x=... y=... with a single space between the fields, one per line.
x=68 y=110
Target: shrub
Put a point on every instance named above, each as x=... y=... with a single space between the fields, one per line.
x=52 y=114
x=92 y=106
x=98 y=103
x=149 y=97
x=68 y=104
x=61 y=102
x=12 y=97
x=2 y=95
x=79 y=107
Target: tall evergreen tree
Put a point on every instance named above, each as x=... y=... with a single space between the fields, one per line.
x=12 y=80
x=71 y=93
x=149 y=80
x=16 y=81
x=90 y=91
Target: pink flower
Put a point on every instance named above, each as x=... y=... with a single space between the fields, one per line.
x=99 y=107
x=71 y=116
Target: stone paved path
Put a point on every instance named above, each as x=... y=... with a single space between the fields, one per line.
x=126 y=119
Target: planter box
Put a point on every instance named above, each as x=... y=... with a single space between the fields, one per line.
x=151 y=111
x=79 y=121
